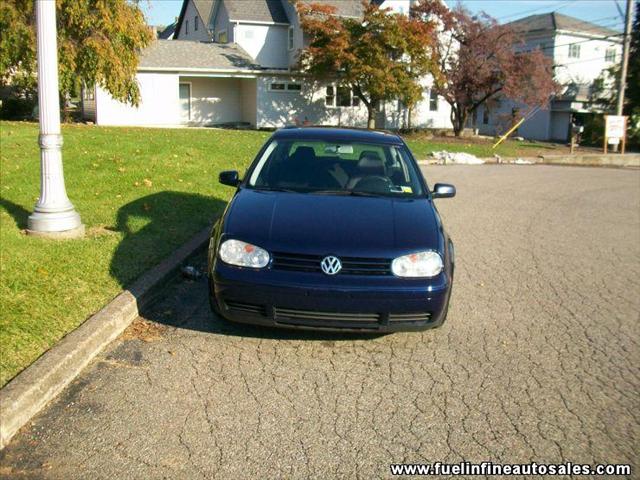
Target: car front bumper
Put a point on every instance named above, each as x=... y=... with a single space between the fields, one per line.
x=316 y=301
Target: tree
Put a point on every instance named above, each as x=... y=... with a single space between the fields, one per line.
x=478 y=63
x=98 y=43
x=381 y=56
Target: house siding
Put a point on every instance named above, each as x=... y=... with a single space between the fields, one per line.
x=277 y=109
x=591 y=62
x=266 y=44
x=221 y=23
x=159 y=103
x=201 y=34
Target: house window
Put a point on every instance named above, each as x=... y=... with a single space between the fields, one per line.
x=283 y=87
x=343 y=97
x=574 y=50
x=186 y=27
x=290 y=38
x=610 y=55
x=433 y=101
x=485 y=116
x=195 y=23
x=329 y=96
x=222 y=37
x=340 y=96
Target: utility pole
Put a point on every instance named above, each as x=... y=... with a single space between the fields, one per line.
x=625 y=59
x=54 y=215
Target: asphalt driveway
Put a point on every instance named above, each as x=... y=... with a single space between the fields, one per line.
x=538 y=361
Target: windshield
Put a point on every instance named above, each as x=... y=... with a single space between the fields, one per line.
x=336 y=168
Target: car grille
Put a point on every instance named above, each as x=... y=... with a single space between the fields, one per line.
x=311 y=318
x=350 y=265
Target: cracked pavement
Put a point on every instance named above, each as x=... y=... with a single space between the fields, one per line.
x=538 y=360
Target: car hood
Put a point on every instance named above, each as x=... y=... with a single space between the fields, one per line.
x=330 y=224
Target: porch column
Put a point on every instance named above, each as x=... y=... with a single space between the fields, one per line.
x=53 y=215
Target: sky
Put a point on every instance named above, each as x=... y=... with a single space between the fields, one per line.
x=603 y=12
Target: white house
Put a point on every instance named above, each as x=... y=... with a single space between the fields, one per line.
x=580 y=52
x=233 y=62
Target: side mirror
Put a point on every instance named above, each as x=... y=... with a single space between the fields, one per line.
x=229 y=177
x=443 y=190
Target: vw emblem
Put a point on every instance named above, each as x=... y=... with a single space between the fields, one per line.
x=331 y=265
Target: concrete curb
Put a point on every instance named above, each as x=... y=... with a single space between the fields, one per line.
x=25 y=395
x=631 y=160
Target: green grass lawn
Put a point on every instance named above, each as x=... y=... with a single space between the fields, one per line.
x=140 y=192
x=421 y=146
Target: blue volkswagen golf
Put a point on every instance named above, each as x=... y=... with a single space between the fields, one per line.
x=332 y=229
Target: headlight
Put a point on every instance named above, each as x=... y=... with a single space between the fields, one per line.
x=241 y=254
x=421 y=264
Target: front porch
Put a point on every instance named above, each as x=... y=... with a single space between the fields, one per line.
x=217 y=101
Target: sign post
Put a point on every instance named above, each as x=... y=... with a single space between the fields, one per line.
x=615 y=131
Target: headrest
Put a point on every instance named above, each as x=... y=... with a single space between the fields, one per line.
x=370 y=163
x=303 y=153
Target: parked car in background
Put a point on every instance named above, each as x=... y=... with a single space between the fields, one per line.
x=332 y=229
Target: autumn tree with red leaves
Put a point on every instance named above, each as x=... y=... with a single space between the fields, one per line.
x=381 y=56
x=478 y=62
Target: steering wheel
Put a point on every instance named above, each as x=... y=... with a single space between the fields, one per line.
x=373 y=184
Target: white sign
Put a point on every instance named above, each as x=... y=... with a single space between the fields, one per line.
x=614 y=126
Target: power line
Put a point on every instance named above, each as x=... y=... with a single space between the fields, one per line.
x=561 y=4
x=551 y=47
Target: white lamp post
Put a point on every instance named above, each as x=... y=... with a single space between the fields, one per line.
x=53 y=215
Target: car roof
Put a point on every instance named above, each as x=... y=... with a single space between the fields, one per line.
x=330 y=134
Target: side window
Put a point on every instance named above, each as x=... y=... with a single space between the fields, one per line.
x=195 y=23
x=222 y=37
x=186 y=27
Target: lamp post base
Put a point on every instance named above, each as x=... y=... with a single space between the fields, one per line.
x=77 y=232
x=65 y=224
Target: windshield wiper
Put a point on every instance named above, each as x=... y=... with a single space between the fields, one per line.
x=353 y=193
x=275 y=189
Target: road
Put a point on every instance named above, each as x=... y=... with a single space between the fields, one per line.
x=538 y=361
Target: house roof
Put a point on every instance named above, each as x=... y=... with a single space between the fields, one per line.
x=167 y=32
x=346 y=8
x=557 y=21
x=186 y=54
x=256 y=11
